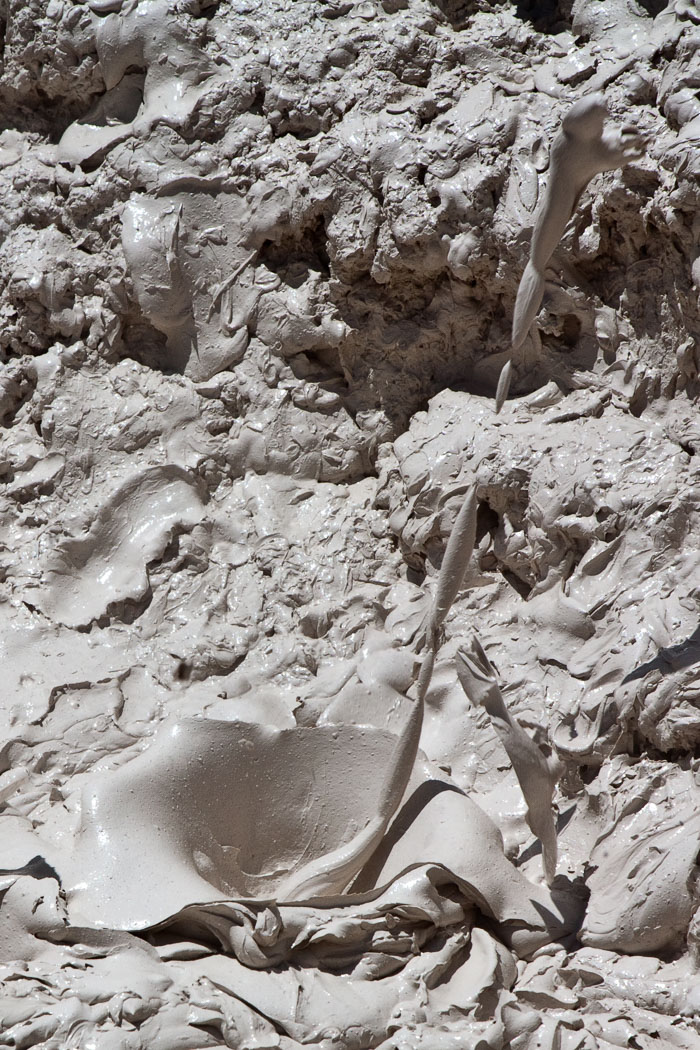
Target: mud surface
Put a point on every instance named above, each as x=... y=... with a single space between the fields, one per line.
x=258 y=270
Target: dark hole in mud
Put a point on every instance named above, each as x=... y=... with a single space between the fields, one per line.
x=571 y=329
x=457 y=12
x=183 y=671
x=415 y=575
x=518 y=585
x=653 y=7
x=486 y=521
x=638 y=401
x=257 y=105
x=147 y=345
x=322 y=366
x=293 y=258
x=126 y=611
x=207 y=9
x=546 y=16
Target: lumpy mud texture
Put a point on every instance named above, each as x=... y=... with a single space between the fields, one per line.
x=258 y=269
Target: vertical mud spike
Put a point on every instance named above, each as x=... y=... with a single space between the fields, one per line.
x=527 y=305
x=503 y=385
x=334 y=872
x=458 y=552
x=426 y=673
x=583 y=147
x=537 y=774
